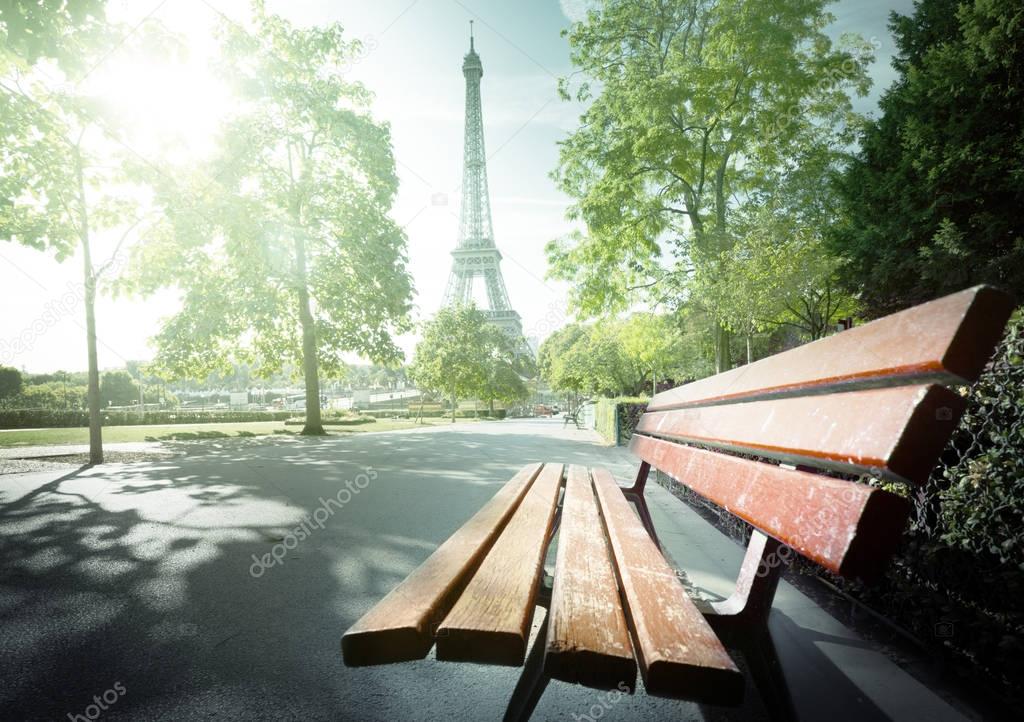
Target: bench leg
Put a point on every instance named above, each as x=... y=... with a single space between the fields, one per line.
x=640 y=504
x=763 y=564
x=766 y=672
x=750 y=603
x=741 y=621
x=532 y=682
x=641 y=480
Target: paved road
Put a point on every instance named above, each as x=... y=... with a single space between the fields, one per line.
x=134 y=587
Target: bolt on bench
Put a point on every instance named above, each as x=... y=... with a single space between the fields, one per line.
x=872 y=400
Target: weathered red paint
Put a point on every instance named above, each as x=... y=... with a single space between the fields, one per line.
x=898 y=432
x=947 y=340
x=846 y=527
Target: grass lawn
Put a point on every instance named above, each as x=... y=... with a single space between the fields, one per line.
x=113 y=434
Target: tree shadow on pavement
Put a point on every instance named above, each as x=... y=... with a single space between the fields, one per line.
x=185 y=581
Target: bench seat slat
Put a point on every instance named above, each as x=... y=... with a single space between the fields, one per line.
x=851 y=529
x=947 y=340
x=588 y=640
x=490 y=622
x=401 y=626
x=678 y=653
x=897 y=432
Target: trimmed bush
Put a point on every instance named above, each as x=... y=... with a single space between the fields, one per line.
x=958 y=583
x=429 y=413
x=335 y=421
x=47 y=418
x=616 y=419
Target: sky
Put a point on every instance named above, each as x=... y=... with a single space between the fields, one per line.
x=412 y=60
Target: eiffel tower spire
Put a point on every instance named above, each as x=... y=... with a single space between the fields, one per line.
x=475 y=255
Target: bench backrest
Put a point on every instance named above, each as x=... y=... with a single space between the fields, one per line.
x=872 y=399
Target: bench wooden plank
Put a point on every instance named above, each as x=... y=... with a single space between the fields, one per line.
x=588 y=640
x=678 y=653
x=897 y=432
x=947 y=340
x=851 y=529
x=401 y=626
x=490 y=623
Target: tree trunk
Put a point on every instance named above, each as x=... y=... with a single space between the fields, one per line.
x=93 y=392
x=654 y=383
x=314 y=425
x=455 y=405
x=750 y=350
x=723 y=361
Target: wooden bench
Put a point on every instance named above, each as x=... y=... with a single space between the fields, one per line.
x=770 y=442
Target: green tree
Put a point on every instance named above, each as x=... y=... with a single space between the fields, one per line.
x=690 y=103
x=584 y=360
x=934 y=196
x=451 y=359
x=57 y=194
x=53 y=395
x=118 y=388
x=505 y=370
x=10 y=383
x=613 y=371
x=503 y=384
x=289 y=254
x=557 y=368
x=654 y=341
x=779 y=271
x=64 y=31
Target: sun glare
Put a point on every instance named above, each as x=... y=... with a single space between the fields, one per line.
x=164 y=103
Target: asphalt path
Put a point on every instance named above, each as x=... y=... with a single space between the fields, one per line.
x=179 y=588
x=133 y=591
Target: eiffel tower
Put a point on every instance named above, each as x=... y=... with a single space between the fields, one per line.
x=475 y=256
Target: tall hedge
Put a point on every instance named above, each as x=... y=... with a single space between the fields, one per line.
x=615 y=419
x=959 y=580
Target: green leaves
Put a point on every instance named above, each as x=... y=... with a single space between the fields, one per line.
x=463 y=355
x=614 y=357
x=295 y=204
x=934 y=195
x=64 y=31
x=37 y=176
x=702 y=105
x=10 y=382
